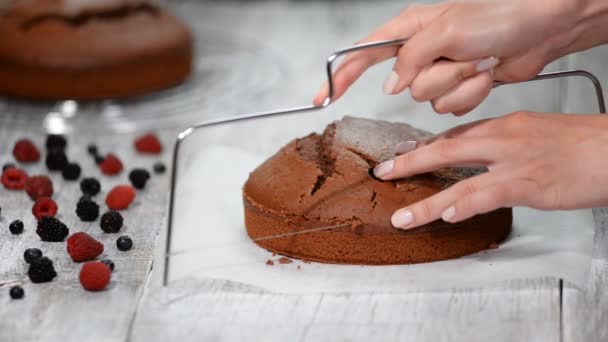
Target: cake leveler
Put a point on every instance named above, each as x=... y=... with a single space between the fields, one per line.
x=295 y=110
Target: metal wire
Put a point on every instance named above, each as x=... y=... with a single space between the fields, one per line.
x=326 y=102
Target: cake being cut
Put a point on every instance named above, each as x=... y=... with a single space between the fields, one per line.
x=90 y=49
x=323 y=180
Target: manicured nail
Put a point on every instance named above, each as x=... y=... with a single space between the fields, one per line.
x=448 y=214
x=402 y=218
x=486 y=64
x=384 y=169
x=391 y=83
x=406 y=146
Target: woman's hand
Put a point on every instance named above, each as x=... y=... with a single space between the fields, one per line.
x=457 y=49
x=539 y=160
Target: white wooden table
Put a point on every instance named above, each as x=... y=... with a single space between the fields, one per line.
x=299 y=36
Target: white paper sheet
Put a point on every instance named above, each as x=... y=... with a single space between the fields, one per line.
x=210 y=241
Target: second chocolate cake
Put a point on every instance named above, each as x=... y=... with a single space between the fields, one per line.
x=322 y=180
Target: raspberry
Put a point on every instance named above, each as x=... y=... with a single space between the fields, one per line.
x=111 y=165
x=159 y=168
x=139 y=178
x=51 y=229
x=111 y=222
x=95 y=276
x=25 y=151
x=90 y=186
x=14 y=179
x=56 y=160
x=71 y=171
x=124 y=243
x=55 y=142
x=44 y=206
x=16 y=227
x=32 y=253
x=120 y=197
x=39 y=186
x=41 y=270
x=148 y=143
x=82 y=247
x=87 y=210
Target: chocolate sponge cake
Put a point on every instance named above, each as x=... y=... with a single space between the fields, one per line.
x=324 y=180
x=90 y=49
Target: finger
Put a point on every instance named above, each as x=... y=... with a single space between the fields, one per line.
x=406 y=147
x=431 y=208
x=468 y=94
x=441 y=154
x=463 y=112
x=498 y=195
x=439 y=78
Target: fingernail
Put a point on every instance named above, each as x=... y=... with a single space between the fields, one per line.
x=402 y=218
x=384 y=169
x=486 y=64
x=406 y=146
x=391 y=83
x=448 y=214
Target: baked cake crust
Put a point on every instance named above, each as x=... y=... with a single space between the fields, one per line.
x=75 y=49
x=323 y=180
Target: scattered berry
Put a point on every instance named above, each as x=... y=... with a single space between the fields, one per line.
x=41 y=270
x=14 y=179
x=7 y=166
x=71 y=171
x=39 y=186
x=110 y=264
x=99 y=160
x=124 y=243
x=51 y=229
x=95 y=276
x=44 y=206
x=148 y=143
x=32 y=253
x=120 y=197
x=82 y=247
x=284 y=260
x=56 y=160
x=92 y=149
x=90 y=186
x=139 y=178
x=159 y=168
x=55 y=142
x=269 y=262
x=16 y=227
x=87 y=210
x=25 y=151
x=111 y=222
x=16 y=292
x=111 y=165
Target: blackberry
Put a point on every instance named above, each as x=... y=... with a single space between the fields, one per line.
x=84 y=197
x=124 y=243
x=87 y=210
x=8 y=166
x=16 y=292
x=71 y=171
x=159 y=168
x=139 y=178
x=92 y=149
x=16 y=227
x=99 y=159
x=55 y=142
x=111 y=222
x=90 y=186
x=51 y=229
x=109 y=262
x=41 y=270
x=32 y=253
x=56 y=160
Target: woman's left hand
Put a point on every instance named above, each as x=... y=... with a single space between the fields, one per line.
x=539 y=160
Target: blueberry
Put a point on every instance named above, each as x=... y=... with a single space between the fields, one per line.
x=124 y=243
x=92 y=149
x=16 y=292
x=109 y=262
x=31 y=254
x=8 y=166
x=159 y=168
x=71 y=171
x=16 y=227
x=99 y=159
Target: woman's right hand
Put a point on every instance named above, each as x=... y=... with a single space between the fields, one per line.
x=457 y=49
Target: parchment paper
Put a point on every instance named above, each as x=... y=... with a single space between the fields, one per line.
x=210 y=241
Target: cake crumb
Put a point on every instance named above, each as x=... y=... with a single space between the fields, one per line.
x=299 y=267
x=269 y=262
x=274 y=254
x=493 y=245
x=284 y=260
